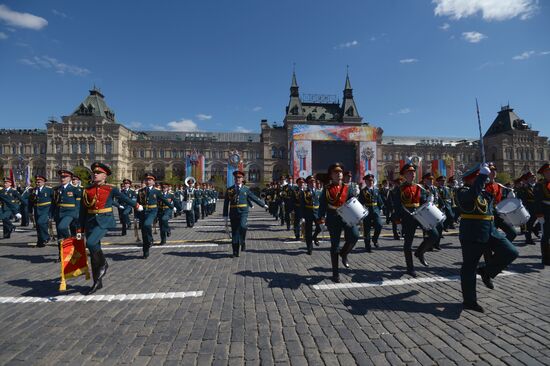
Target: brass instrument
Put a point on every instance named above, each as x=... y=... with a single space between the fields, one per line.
x=187 y=181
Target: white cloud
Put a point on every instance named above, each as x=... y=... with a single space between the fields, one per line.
x=183 y=125
x=257 y=109
x=3 y=35
x=445 y=26
x=524 y=56
x=242 y=129
x=404 y=111
x=544 y=53
x=408 y=61
x=158 y=127
x=473 y=37
x=46 y=62
x=346 y=45
x=21 y=20
x=135 y=124
x=490 y=9
x=204 y=117
x=59 y=13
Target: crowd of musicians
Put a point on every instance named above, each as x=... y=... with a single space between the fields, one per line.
x=305 y=206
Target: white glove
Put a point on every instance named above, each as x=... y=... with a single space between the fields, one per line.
x=79 y=236
x=431 y=198
x=140 y=208
x=512 y=194
x=175 y=210
x=540 y=220
x=400 y=228
x=266 y=206
x=121 y=207
x=484 y=170
x=18 y=216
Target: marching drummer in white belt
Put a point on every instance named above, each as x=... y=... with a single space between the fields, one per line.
x=499 y=192
x=333 y=196
x=235 y=209
x=371 y=198
x=412 y=196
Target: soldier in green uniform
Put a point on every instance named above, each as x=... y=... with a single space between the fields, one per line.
x=445 y=201
x=235 y=209
x=289 y=201
x=24 y=207
x=149 y=197
x=297 y=194
x=65 y=206
x=527 y=196
x=433 y=195
x=197 y=201
x=10 y=213
x=310 y=211
x=40 y=201
x=125 y=210
x=542 y=211
x=371 y=198
x=189 y=196
x=178 y=194
x=478 y=233
x=165 y=212
x=96 y=218
x=76 y=182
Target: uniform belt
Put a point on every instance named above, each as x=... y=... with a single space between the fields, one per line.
x=43 y=204
x=164 y=207
x=149 y=206
x=100 y=211
x=78 y=199
x=411 y=205
x=239 y=206
x=312 y=207
x=333 y=207
x=371 y=204
x=66 y=205
x=477 y=217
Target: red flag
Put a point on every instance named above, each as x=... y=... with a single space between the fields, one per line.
x=73 y=260
x=12 y=177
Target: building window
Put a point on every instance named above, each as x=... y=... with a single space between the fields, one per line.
x=254 y=175
x=108 y=148
x=541 y=154
x=161 y=153
x=58 y=148
x=35 y=150
x=74 y=148
x=91 y=148
x=154 y=153
x=141 y=153
x=83 y=148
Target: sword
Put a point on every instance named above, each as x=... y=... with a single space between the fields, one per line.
x=480 y=135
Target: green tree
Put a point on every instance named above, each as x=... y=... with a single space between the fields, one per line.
x=84 y=174
x=503 y=177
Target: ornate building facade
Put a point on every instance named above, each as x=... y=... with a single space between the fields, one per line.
x=92 y=132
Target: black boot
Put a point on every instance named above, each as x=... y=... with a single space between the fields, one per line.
x=235 y=249
x=335 y=272
x=485 y=278
x=367 y=246
x=346 y=249
x=123 y=230
x=545 y=251
x=95 y=264
x=420 y=251
x=409 y=261
x=103 y=265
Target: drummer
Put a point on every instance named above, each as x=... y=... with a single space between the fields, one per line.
x=333 y=196
x=411 y=197
x=498 y=191
x=478 y=233
x=371 y=198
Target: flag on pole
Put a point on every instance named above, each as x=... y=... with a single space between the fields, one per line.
x=12 y=176
x=73 y=260
x=28 y=177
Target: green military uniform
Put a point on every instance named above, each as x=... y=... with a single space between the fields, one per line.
x=24 y=208
x=10 y=211
x=189 y=195
x=372 y=200
x=310 y=212
x=164 y=215
x=40 y=201
x=124 y=210
x=478 y=233
x=197 y=202
x=542 y=211
x=236 y=206
x=527 y=196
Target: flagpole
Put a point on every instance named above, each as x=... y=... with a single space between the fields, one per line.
x=480 y=135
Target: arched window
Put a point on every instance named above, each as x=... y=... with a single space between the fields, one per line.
x=282 y=153
x=254 y=174
x=277 y=172
x=142 y=153
x=274 y=152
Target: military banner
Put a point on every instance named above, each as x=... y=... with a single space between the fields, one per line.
x=73 y=261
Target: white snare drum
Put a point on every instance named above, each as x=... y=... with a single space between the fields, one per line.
x=428 y=215
x=187 y=205
x=512 y=211
x=352 y=212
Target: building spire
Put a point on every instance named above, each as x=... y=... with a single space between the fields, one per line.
x=294 y=84
x=348 y=84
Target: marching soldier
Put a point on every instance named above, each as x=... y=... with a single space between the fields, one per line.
x=498 y=191
x=297 y=194
x=310 y=212
x=197 y=201
x=371 y=198
x=24 y=208
x=452 y=186
x=149 y=197
x=178 y=194
x=318 y=191
x=445 y=201
x=411 y=196
x=433 y=196
x=235 y=209
x=527 y=196
x=40 y=201
x=65 y=206
x=204 y=201
x=76 y=182
x=385 y=194
x=125 y=210
x=542 y=199
x=332 y=197
x=96 y=218
x=9 y=213
x=393 y=202
x=189 y=195
x=288 y=201
x=165 y=212
x=478 y=234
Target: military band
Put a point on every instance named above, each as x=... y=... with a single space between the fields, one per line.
x=304 y=206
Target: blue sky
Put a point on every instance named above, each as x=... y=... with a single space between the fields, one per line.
x=415 y=66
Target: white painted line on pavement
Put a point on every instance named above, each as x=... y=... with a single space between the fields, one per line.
x=108 y=298
x=400 y=282
x=160 y=246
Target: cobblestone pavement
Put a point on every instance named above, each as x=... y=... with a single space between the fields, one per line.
x=199 y=306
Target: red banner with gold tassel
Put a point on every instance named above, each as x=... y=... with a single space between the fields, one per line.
x=74 y=261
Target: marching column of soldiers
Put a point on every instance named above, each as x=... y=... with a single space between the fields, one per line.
x=304 y=207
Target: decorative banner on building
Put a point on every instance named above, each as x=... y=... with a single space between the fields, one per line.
x=444 y=167
x=194 y=166
x=367 y=159
x=233 y=163
x=333 y=133
x=73 y=260
x=301 y=159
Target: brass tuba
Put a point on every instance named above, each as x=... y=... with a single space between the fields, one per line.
x=186 y=181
